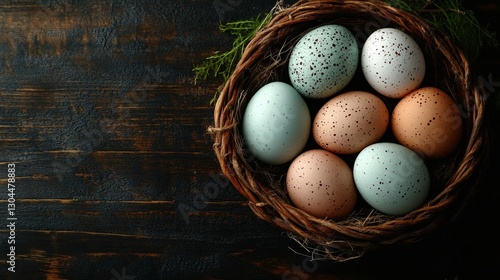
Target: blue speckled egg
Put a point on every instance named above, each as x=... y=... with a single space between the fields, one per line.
x=391 y=178
x=276 y=123
x=323 y=61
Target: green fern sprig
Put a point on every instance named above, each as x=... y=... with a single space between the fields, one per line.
x=223 y=63
x=450 y=17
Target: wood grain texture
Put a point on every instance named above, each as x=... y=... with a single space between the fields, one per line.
x=115 y=175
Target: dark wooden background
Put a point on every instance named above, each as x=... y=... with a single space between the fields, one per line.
x=115 y=175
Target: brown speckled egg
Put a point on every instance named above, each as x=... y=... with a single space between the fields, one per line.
x=429 y=122
x=349 y=122
x=321 y=184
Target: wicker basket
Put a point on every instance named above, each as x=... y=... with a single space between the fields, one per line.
x=265 y=59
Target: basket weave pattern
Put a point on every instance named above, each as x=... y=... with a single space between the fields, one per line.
x=265 y=59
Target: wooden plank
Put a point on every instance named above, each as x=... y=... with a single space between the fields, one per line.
x=145 y=219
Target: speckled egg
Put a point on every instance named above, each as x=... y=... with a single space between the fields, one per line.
x=391 y=178
x=276 y=123
x=429 y=122
x=392 y=62
x=323 y=61
x=349 y=122
x=321 y=184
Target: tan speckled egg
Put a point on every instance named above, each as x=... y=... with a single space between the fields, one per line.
x=349 y=122
x=428 y=122
x=321 y=184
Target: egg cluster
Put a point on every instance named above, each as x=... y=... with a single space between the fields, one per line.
x=392 y=177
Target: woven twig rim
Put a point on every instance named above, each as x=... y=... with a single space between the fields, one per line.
x=366 y=229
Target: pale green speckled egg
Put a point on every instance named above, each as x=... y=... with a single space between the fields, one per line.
x=323 y=61
x=391 y=178
x=276 y=123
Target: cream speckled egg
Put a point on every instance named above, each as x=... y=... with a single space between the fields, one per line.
x=323 y=61
x=429 y=122
x=321 y=184
x=349 y=122
x=391 y=178
x=392 y=62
